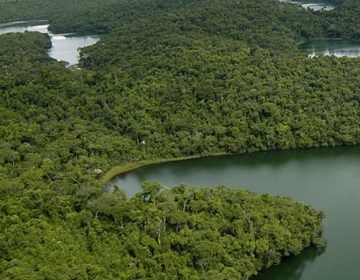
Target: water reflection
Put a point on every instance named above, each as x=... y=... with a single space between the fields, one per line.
x=293 y=267
x=328 y=47
x=328 y=179
x=312 y=6
x=22 y=26
x=65 y=47
x=317 y=6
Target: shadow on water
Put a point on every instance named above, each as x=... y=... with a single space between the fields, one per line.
x=335 y=47
x=328 y=179
x=290 y=268
x=274 y=158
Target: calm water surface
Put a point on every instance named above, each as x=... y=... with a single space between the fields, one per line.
x=328 y=179
x=337 y=48
x=322 y=6
x=64 y=47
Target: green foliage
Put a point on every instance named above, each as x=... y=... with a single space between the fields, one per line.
x=43 y=9
x=169 y=79
x=177 y=233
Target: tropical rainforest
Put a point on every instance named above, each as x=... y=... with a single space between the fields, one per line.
x=168 y=79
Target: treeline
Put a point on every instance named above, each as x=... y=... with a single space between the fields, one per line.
x=343 y=3
x=44 y=9
x=57 y=222
x=209 y=88
x=103 y=16
x=283 y=19
x=177 y=233
x=344 y=22
x=169 y=79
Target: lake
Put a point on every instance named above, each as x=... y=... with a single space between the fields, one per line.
x=322 y=6
x=328 y=179
x=334 y=47
x=65 y=47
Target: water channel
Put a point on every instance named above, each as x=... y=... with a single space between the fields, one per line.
x=65 y=47
x=317 y=6
x=328 y=179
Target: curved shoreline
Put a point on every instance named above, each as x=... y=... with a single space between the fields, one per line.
x=127 y=167
x=131 y=166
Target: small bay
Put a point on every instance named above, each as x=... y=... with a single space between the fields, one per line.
x=65 y=47
x=328 y=179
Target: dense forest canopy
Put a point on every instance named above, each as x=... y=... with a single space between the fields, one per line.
x=189 y=78
x=44 y=9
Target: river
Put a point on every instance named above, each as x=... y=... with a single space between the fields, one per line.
x=65 y=47
x=328 y=179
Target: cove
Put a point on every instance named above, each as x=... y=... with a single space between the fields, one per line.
x=64 y=46
x=338 y=48
x=328 y=179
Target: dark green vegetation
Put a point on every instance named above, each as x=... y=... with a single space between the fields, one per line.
x=170 y=78
x=44 y=9
x=315 y=176
x=240 y=20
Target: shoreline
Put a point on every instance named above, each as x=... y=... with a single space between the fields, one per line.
x=127 y=167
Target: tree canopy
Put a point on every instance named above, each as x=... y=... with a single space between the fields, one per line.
x=168 y=79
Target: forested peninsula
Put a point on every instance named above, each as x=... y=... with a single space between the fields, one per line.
x=168 y=79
